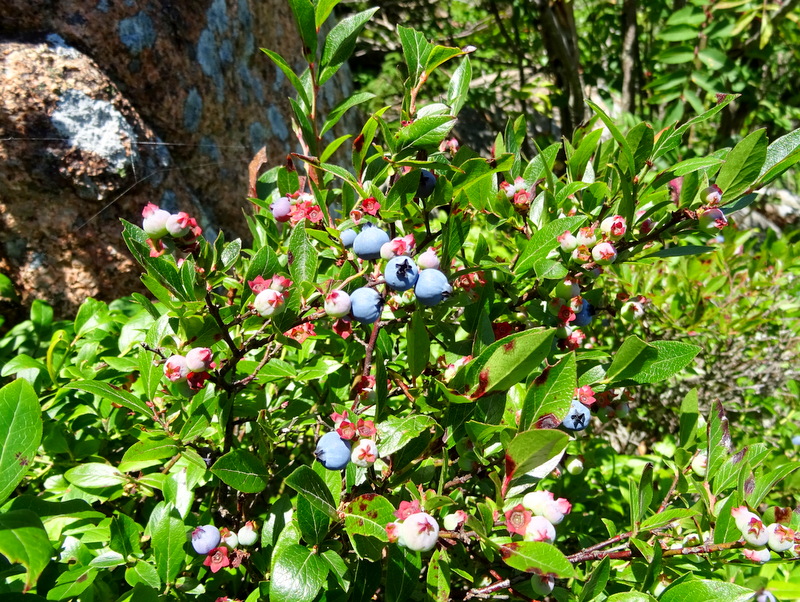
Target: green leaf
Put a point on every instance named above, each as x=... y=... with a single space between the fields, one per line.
x=670 y=357
x=506 y=362
x=631 y=597
x=550 y=393
x=550 y=269
x=290 y=75
x=95 y=475
x=642 y=495
x=627 y=154
x=597 y=581
x=144 y=573
x=765 y=483
x=670 y=140
x=640 y=141
x=629 y=358
x=576 y=164
x=24 y=541
x=438 y=578
x=531 y=449
x=340 y=43
x=365 y=520
x=458 y=86
x=402 y=574
x=21 y=425
x=782 y=154
x=542 y=242
x=297 y=575
x=322 y=10
x=305 y=18
x=418 y=344
x=537 y=556
x=425 y=131
x=308 y=483
x=743 y=165
x=147 y=452
x=394 y=433
x=112 y=394
x=313 y=523
x=684 y=251
x=415 y=51
x=304 y=260
x=695 y=164
x=241 y=470
x=719 y=439
x=340 y=109
x=688 y=418
x=168 y=535
x=440 y=55
x=73 y=582
x=706 y=590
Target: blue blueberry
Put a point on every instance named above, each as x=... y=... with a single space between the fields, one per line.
x=205 y=539
x=584 y=316
x=578 y=417
x=432 y=287
x=367 y=244
x=401 y=273
x=332 y=451
x=796 y=440
x=427 y=182
x=366 y=305
x=348 y=236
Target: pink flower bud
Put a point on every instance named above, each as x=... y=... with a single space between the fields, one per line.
x=604 y=253
x=419 y=532
x=614 y=227
x=540 y=529
x=279 y=283
x=567 y=241
x=179 y=224
x=586 y=237
x=268 y=303
x=364 y=453
x=337 y=304
x=712 y=218
x=762 y=555
x=248 y=535
x=155 y=221
x=175 y=368
x=199 y=359
x=428 y=260
x=543 y=503
x=713 y=195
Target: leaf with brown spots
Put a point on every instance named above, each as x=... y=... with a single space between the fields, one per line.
x=552 y=394
x=504 y=363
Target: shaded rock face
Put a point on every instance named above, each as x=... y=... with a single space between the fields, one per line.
x=106 y=105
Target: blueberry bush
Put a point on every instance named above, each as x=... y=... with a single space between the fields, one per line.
x=407 y=386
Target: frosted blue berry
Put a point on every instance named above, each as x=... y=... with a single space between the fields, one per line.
x=332 y=451
x=427 y=182
x=432 y=287
x=366 y=305
x=401 y=273
x=348 y=236
x=578 y=417
x=367 y=244
x=205 y=539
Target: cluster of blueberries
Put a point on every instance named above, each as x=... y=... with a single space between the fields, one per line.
x=402 y=273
